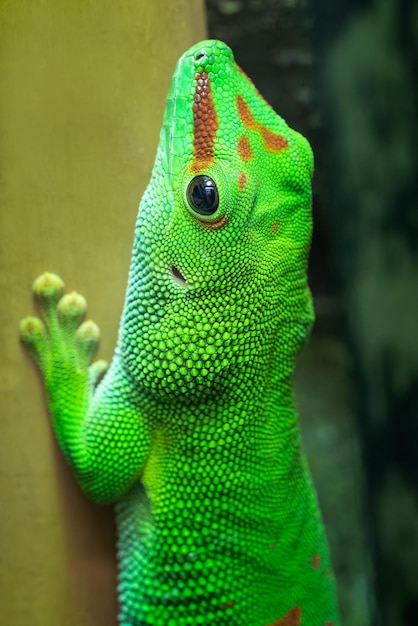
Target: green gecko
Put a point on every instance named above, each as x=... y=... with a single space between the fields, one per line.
x=192 y=430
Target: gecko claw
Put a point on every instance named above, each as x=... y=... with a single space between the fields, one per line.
x=34 y=336
x=97 y=371
x=59 y=342
x=48 y=288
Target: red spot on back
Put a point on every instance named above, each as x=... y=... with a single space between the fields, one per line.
x=242 y=180
x=226 y=605
x=316 y=561
x=328 y=623
x=329 y=574
x=275 y=226
x=272 y=142
x=244 y=148
x=205 y=124
x=292 y=618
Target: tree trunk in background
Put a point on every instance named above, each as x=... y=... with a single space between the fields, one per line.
x=368 y=62
x=83 y=91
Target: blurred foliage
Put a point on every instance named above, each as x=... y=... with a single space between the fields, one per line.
x=368 y=85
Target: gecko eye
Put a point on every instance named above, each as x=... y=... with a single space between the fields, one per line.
x=202 y=195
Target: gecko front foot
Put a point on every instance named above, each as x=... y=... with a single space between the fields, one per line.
x=59 y=343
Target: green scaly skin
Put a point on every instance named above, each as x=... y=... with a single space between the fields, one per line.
x=193 y=431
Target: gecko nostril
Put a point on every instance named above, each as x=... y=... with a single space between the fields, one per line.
x=199 y=55
x=178 y=275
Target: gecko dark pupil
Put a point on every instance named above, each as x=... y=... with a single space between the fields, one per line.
x=202 y=195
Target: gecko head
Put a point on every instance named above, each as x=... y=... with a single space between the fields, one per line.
x=218 y=284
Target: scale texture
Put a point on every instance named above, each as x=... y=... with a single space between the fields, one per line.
x=192 y=430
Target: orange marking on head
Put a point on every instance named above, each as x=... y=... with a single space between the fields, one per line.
x=272 y=142
x=275 y=226
x=205 y=124
x=244 y=148
x=292 y=618
x=251 y=83
x=241 y=71
x=316 y=561
x=245 y=114
x=242 y=181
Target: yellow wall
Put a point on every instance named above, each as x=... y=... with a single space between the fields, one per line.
x=83 y=85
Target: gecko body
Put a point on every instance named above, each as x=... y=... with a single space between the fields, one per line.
x=193 y=430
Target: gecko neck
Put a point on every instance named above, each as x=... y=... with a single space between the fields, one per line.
x=255 y=503
x=255 y=425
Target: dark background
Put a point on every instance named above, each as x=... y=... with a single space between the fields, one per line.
x=345 y=75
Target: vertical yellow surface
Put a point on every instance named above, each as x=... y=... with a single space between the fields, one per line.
x=83 y=85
